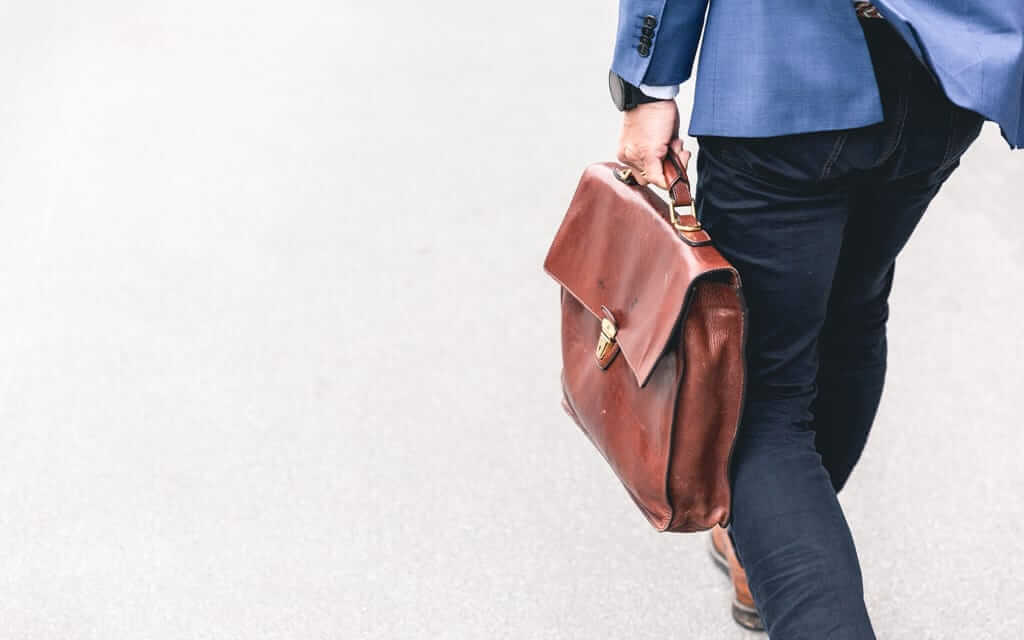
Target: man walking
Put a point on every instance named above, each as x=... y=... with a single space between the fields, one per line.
x=825 y=130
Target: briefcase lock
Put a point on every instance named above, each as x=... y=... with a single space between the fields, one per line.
x=607 y=339
x=607 y=348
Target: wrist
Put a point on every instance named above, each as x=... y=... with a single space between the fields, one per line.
x=655 y=111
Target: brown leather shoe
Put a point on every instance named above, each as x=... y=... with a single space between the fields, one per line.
x=744 y=611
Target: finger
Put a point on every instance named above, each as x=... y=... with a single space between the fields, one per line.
x=628 y=157
x=684 y=159
x=655 y=173
x=681 y=153
x=638 y=172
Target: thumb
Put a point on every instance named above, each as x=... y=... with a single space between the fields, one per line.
x=681 y=153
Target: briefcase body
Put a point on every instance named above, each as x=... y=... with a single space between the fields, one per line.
x=652 y=330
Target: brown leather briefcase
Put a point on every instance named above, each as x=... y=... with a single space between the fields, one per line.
x=653 y=332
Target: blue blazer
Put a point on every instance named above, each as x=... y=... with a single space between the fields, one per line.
x=791 y=66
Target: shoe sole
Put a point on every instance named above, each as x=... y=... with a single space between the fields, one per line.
x=744 y=616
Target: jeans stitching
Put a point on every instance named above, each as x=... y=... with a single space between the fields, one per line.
x=834 y=601
x=950 y=138
x=904 y=108
x=837 y=148
x=965 y=136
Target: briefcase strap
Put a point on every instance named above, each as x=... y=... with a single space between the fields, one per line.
x=679 y=193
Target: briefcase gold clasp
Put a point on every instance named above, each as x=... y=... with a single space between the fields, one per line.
x=607 y=338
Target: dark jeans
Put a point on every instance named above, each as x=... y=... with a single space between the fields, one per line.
x=814 y=222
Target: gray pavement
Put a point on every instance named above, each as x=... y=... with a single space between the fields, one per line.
x=279 y=360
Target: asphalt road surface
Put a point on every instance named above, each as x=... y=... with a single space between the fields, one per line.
x=278 y=359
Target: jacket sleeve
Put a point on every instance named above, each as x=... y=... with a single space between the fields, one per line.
x=656 y=40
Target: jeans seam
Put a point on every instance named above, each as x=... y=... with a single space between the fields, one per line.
x=834 y=605
x=904 y=108
x=950 y=138
x=837 y=148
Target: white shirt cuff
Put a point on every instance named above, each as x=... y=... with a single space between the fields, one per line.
x=662 y=92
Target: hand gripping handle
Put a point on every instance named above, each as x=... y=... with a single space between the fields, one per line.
x=678 y=192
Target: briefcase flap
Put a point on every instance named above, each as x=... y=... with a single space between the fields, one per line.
x=616 y=249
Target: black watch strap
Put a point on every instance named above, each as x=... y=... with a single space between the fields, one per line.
x=626 y=96
x=642 y=98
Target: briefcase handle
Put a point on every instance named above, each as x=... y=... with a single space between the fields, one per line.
x=678 y=191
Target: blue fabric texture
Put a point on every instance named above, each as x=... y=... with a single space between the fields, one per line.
x=796 y=66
